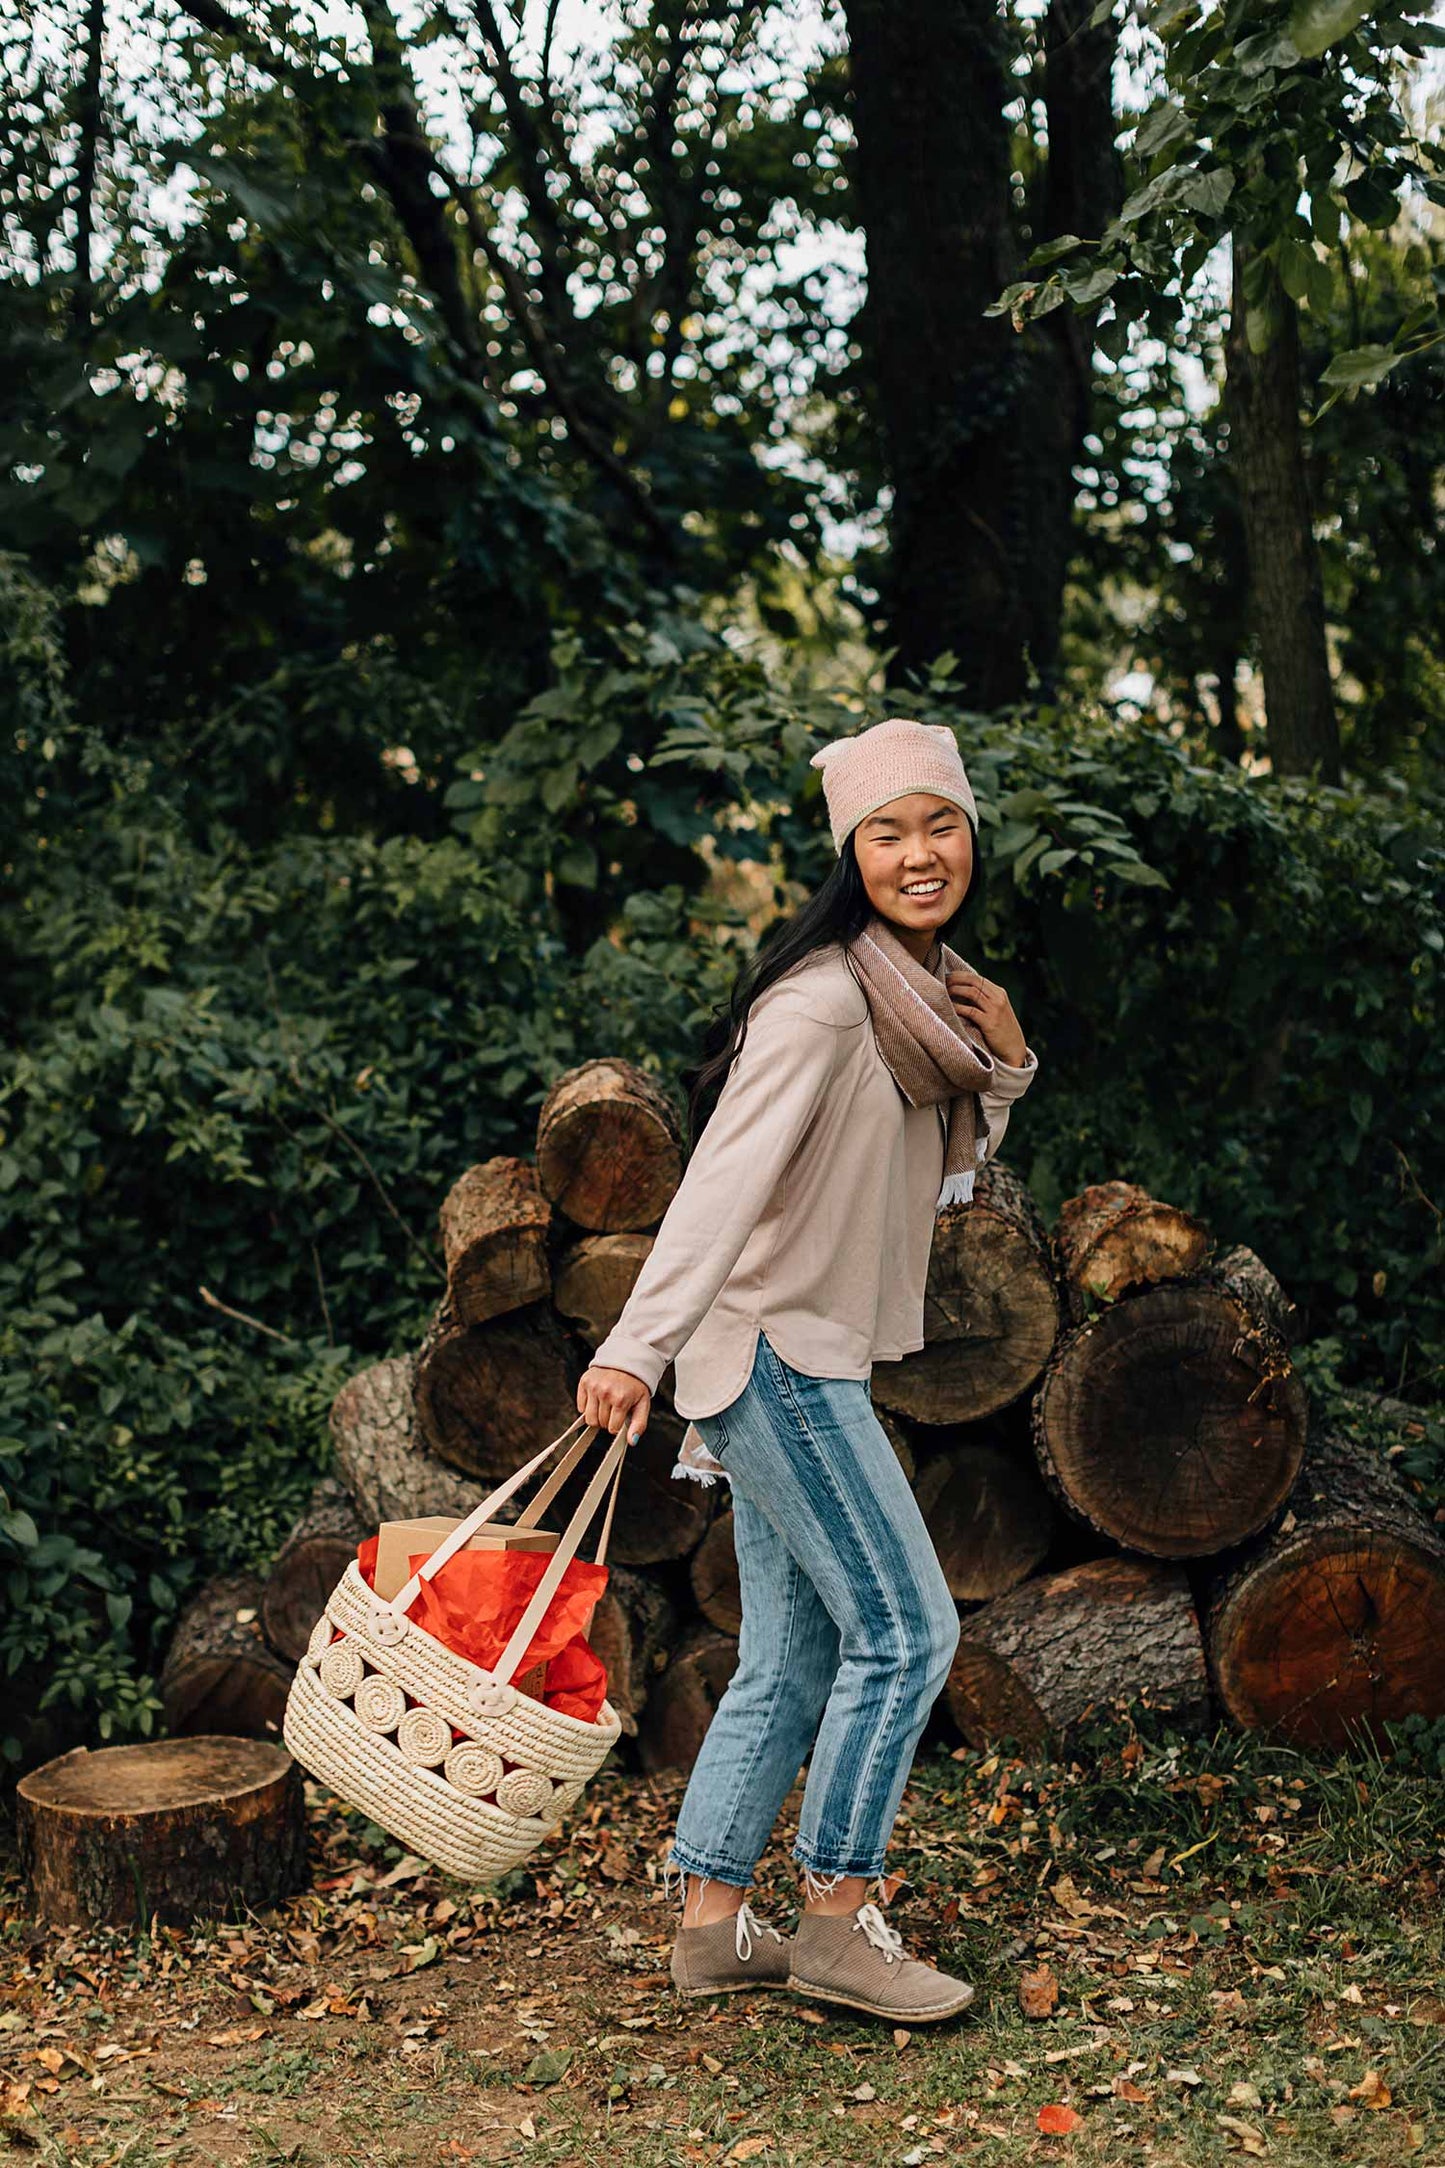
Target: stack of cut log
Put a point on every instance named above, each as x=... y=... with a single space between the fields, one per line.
x=1104 y=1431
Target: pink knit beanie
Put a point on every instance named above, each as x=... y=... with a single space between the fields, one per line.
x=889 y=760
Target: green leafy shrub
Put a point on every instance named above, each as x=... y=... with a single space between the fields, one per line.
x=255 y=1069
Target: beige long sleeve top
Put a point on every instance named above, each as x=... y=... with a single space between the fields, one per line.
x=807 y=1207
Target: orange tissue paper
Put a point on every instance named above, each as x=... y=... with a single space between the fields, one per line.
x=474 y=1603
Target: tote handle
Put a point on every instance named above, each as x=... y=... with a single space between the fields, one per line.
x=566 y=1551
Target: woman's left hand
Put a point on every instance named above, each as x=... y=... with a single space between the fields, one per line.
x=977 y=1001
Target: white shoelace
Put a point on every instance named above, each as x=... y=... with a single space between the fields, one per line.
x=749 y=1925
x=877 y=1931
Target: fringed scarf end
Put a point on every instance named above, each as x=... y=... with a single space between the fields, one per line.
x=957 y=1189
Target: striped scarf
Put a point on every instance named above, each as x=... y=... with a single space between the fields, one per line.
x=923 y=1041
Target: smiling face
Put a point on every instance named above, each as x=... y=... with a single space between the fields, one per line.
x=916 y=858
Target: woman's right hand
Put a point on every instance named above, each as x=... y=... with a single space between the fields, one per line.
x=610 y=1398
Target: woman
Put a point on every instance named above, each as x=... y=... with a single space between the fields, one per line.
x=873 y=1075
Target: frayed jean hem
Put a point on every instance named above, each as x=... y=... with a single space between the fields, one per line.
x=730 y=1871
x=867 y=1868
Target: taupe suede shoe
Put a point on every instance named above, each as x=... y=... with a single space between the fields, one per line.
x=857 y=1959
x=728 y=1956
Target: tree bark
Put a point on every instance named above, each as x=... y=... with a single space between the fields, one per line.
x=1335 y=1622
x=182 y=1827
x=494 y=1222
x=991 y=1309
x=1173 y=1422
x=1113 y=1631
x=609 y=1148
x=379 y=1453
x=1286 y=588
x=980 y=425
x=219 y=1675
x=308 y=1566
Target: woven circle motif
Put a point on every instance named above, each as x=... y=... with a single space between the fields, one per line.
x=341 y=1669
x=387 y=1628
x=320 y=1640
x=380 y=1705
x=473 y=1769
x=566 y=1796
x=424 y=1738
x=524 y=1791
x=491 y=1697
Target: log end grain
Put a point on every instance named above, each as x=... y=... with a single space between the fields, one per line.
x=991 y=1310
x=714 y=1577
x=990 y=1517
x=1173 y=1423
x=609 y=1148
x=494 y=1223
x=1335 y=1623
x=683 y=1701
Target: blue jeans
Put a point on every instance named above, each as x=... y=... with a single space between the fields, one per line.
x=847 y=1636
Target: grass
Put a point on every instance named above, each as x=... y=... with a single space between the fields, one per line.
x=1246 y=1945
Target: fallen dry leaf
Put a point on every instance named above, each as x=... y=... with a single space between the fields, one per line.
x=1372 y=2090
x=749 y=2148
x=1038 y=1993
x=1056 y=2121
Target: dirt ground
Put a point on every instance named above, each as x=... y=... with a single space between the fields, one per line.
x=1182 y=1953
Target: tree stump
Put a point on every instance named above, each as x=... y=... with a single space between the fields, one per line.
x=1336 y=1620
x=494 y=1221
x=1114 y=1236
x=990 y=1517
x=609 y=1147
x=219 y=1675
x=489 y=1396
x=681 y=1704
x=990 y=1314
x=633 y=1628
x=1173 y=1422
x=379 y=1454
x=308 y=1566
x=595 y=1278
x=714 y=1577
x=1111 y=1631
x=184 y=1827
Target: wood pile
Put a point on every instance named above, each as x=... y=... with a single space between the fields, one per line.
x=1104 y=1430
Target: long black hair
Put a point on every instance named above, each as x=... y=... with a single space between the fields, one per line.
x=837 y=911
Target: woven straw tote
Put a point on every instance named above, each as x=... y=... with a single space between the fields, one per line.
x=480 y=1804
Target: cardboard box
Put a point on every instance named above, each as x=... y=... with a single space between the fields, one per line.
x=401 y=1541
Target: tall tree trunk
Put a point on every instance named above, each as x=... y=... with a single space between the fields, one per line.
x=980 y=425
x=89 y=115
x=1286 y=591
